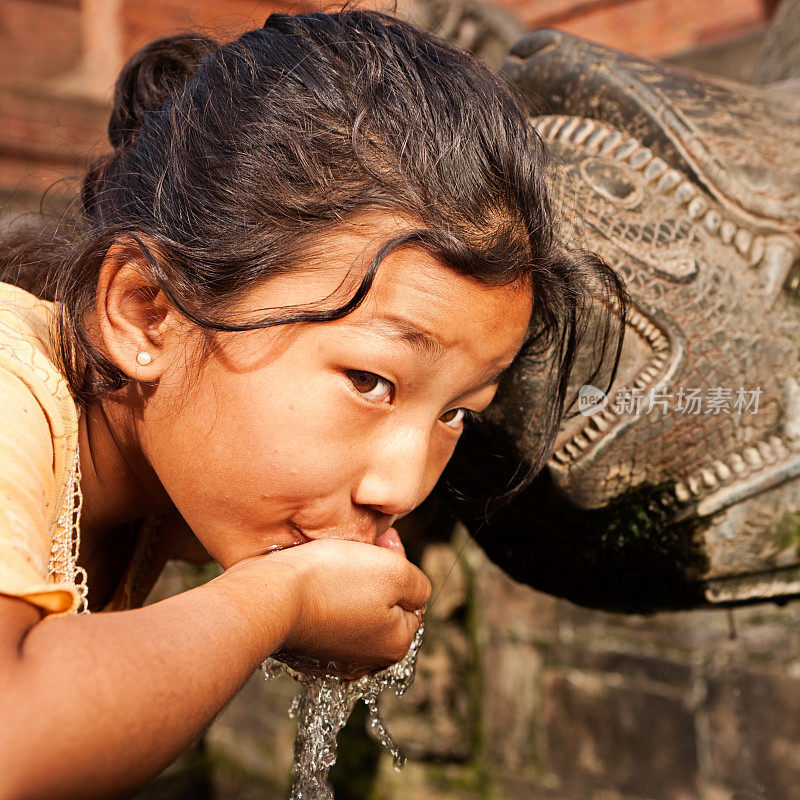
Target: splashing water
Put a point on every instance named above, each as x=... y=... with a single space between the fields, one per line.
x=322 y=710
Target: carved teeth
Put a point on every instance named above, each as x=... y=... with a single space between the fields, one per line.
x=655 y=169
x=766 y=452
x=668 y=181
x=685 y=193
x=572 y=451
x=597 y=137
x=634 y=316
x=643 y=326
x=627 y=149
x=727 y=231
x=613 y=140
x=742 y=241
x=561 y=457
x=752 y=457
x=777 y=446
x=660 y=344
x=779 y=255
x=709 y=479
x=757 y=251
x=696 y=207
x=737 y=464
x=640 y=158
x=590 y=433
x=712 y=221
x=544 y=125
x=791 y=406
x=580 y=441
x=567 y=127
x=597 y=421
x=723 y=472
x=582 y=131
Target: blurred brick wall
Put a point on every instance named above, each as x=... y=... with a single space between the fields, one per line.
x=58 y=62
x=59 y=58
x=651 y=28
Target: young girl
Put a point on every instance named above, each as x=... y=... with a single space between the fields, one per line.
x=302 y=271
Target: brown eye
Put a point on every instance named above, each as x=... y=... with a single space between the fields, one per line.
x=372 y=386
x=454 y=417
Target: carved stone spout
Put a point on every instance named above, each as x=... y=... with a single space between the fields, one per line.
x=681 y=487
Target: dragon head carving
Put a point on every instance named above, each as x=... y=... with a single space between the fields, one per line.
x=680 y=486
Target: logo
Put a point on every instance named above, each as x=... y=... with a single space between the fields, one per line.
x=591 y=400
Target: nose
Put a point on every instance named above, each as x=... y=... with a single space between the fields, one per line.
x=395 y=473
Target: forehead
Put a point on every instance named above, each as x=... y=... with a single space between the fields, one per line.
x=414 y=297
x=446 y=310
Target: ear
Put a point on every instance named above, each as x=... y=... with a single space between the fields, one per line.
x=133 y=314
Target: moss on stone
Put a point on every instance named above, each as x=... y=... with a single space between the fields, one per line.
x=788 y=533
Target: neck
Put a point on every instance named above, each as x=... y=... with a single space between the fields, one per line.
x=117 y=482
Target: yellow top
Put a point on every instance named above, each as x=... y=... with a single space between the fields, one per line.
x=40 y=496
x=38 y=458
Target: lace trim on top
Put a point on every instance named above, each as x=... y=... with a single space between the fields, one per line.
x=63 y=566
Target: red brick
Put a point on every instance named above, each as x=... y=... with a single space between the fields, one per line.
x=649 y=28
x=145 y=20
x=45 y=139
x=42 y=125
x=23 y=183
x=40 y=40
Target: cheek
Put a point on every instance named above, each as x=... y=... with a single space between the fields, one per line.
x=440 y=454
x=250 y=446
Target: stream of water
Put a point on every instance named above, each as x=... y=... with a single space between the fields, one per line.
x=322 y=709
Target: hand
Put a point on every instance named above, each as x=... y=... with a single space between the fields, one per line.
x=355 y=605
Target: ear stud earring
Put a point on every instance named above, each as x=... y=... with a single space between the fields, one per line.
x=143 y=359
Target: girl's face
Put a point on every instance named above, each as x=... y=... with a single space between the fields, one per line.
x=330 y=429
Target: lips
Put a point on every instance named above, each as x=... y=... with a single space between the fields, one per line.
x=300 y=536
x=391 y=541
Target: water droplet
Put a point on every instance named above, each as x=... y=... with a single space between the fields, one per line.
x=322 y=710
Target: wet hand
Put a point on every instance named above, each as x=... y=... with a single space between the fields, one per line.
x=356 y=604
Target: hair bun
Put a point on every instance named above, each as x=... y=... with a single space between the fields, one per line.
x=150 y=76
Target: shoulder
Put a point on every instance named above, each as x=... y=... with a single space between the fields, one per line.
x=24 y=315
x=38 y=445
x=27 y=364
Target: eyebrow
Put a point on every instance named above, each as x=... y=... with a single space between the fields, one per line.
x=426 y=344
x=423 y=342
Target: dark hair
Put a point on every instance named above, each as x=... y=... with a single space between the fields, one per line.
x=230 y=160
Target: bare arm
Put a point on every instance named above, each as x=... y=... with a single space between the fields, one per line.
x=93 y=706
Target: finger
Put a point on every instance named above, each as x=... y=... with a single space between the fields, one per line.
x=416 y=591
x=412 y=621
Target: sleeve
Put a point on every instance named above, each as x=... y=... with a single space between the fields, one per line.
x=28 y=493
